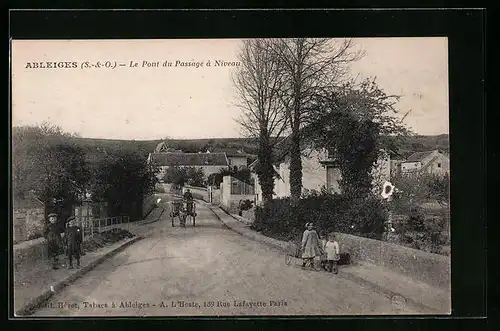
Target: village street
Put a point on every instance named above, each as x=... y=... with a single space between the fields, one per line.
x=208 y=270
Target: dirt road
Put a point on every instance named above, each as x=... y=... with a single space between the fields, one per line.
x=209 y=270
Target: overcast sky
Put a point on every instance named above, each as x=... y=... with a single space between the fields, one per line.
x=185 y=102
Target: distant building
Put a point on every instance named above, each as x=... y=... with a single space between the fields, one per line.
x=163 y=148
x=236 y=157
x=395 y=167
x=209 y=162
x=430 y=162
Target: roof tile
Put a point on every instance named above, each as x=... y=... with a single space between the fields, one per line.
x=418 y=156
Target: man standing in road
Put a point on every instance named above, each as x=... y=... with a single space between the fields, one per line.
x=53 y=239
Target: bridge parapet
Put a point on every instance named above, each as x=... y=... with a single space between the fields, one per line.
x=430 y=268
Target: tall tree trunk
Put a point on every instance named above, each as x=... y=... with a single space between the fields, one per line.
x=295 y=165
x=266 y=170
x=295 y=151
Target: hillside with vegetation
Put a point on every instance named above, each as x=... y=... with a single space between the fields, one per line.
x=421 y=143
x=412 y=144
x=187 y=145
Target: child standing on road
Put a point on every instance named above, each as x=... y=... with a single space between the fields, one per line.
x=311 y=246
x=73 y=237
x=332 y=251
x=53 y=239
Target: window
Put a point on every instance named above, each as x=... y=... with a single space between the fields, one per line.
x=439 y=165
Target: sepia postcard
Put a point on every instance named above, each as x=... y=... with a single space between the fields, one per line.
x=230 y=177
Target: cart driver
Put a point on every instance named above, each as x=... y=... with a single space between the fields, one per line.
x=188 y=196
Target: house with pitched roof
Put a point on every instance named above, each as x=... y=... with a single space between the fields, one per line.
x=163 y=148
x=164 y=158
x=237 y=158
x=320 y=169
x=431 y=162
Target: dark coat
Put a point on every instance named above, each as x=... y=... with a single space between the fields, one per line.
x=73 y=237
x=188 y=196
x=53 y=239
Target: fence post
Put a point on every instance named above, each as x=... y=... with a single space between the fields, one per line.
x=83 y=228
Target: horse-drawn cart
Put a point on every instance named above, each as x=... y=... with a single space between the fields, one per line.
x=182 y=210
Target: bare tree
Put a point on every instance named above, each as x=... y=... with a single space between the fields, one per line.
x=308 y=67
x=258 y=83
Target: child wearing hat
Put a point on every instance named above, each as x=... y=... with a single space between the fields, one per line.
x=73 y=237
x=53 y=239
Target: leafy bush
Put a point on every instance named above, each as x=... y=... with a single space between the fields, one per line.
x=180 y=176
x=413 y=189
x=47 y=163
x=196 y=177
x=421 y=228
x=122 y=179
x=175 y=176
x=285 y=220
x=423 y=232
x=246 y=204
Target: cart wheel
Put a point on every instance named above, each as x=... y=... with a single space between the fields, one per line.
x=335 y=270
x=288 y=259
x=173 y=221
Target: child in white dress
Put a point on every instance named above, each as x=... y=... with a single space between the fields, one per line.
x=332 y=251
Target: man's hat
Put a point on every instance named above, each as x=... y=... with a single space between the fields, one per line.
x=52 y=215
x=71 y=218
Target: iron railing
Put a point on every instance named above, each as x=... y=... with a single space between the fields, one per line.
x=91 y=226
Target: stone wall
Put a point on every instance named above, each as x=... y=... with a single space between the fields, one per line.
x=27 y=223
x=148 y=204
x=430 y=268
